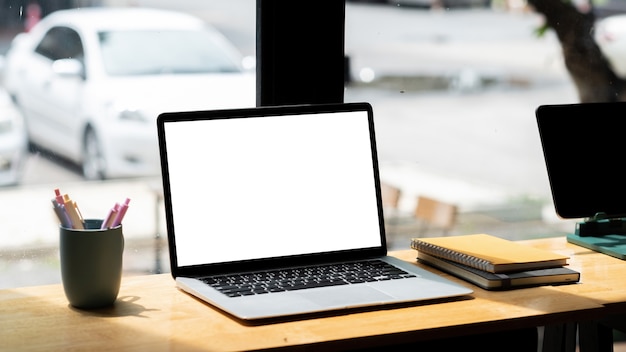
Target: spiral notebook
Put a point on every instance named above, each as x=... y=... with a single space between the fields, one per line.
x=504 y=281
x=489 y=253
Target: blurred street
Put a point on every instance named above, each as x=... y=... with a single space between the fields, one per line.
x=454 y=95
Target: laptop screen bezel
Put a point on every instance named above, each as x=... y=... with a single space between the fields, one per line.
x=259 y=264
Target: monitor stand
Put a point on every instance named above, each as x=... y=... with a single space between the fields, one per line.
x=602 y=234
x=601 y=225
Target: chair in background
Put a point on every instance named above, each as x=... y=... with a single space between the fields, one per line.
x=432 y=213
x=390 y=199
x=390 y=196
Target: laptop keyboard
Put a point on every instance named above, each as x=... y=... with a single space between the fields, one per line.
x=305 y=277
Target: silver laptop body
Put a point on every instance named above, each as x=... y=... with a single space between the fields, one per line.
x=264 y=189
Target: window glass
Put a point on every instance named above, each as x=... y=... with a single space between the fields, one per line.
x=454 y=89
x=60 y=43
x=63 y=129
x=142 y=52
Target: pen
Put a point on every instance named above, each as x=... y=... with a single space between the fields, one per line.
x=59 y=209
x=121 y=212
x=108 y=221
x=73 y=213
x=58 y=197
x=80 y=215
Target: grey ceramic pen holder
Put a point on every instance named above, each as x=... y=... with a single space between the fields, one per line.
x=91 y=264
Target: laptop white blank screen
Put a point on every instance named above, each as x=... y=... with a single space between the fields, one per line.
x=263 y=187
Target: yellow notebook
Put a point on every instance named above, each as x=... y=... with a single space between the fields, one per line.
x=489 y=253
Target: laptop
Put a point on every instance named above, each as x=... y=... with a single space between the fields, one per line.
x=290 y=193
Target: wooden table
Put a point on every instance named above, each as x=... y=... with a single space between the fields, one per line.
x=152 y=314
x=603 y=280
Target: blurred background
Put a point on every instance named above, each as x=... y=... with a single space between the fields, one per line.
x=454 y=87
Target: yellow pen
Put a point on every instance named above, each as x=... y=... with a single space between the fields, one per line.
x=73 y=213
x=80 y=215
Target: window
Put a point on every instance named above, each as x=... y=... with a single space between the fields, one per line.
x=453 y=89
x=164 y=52
x=60 y=43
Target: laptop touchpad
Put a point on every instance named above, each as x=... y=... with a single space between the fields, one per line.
x=345 y=296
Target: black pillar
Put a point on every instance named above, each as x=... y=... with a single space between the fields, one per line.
x=300 y=52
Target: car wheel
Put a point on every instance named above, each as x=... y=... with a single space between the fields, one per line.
x=93 y=159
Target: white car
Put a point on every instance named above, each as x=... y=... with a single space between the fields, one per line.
x=13 y=142
x=91 y=82
x=610 y=35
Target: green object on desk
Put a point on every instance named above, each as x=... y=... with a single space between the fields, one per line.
x=613 y=245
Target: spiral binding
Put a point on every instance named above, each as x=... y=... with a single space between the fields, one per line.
x=455 y=256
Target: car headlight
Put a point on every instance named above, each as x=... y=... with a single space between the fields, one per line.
x=5 y=125
x=10 y=120
x=133 y=115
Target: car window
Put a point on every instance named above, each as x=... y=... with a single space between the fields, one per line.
x=61 y=43
x=154 y=52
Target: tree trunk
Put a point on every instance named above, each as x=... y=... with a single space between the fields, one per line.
x=591 y=73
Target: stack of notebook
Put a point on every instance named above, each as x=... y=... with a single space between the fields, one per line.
x=494 y=263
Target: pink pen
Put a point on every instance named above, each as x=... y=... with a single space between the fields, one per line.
x=108 y=221
x=58 y=196
x=121 y=213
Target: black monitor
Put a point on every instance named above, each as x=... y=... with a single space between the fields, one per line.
x=584 y=146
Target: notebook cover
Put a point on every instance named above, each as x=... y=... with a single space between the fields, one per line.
x=489 y=253
x=491 y=281
x=613 y=245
